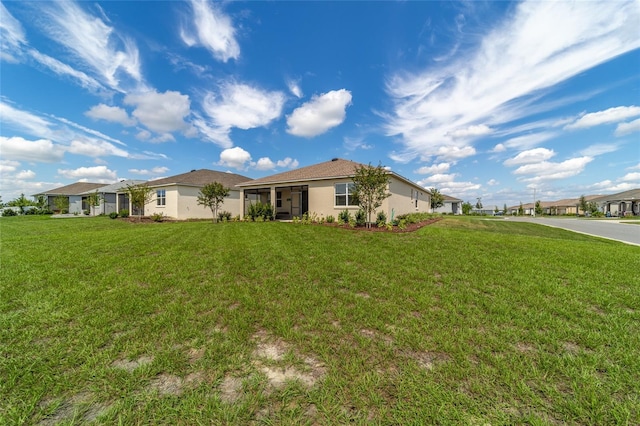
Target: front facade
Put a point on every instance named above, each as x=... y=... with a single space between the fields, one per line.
x=325 y=189
x=177 y=196
x=111 y=198
x=625 y=203
x=74 y=194
x=450 y=205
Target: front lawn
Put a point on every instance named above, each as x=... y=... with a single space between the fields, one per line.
x=461 y=322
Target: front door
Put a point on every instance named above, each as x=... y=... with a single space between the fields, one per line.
x=296 y=203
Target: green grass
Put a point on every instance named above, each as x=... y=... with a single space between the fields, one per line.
x=462 y=322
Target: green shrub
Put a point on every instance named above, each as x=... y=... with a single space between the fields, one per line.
x=113 y=215
x=330 y=219
x=344 y=216
x=124 y=213
x=157 y=217
x=361 y=218
x=402 y=224
x=381 y=219
x=224 y=216
x=259 y=209
x=9 y=212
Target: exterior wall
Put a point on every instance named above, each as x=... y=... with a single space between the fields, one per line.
x=75 y=204
x=182 y=203
x=108 y=204
x=402 y=202
x=450 y=207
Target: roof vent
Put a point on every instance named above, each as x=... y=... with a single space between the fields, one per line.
x=334 y=159
x=193 y=170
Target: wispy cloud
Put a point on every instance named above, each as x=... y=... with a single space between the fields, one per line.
x=84 y=173
x=627 y=128
x=108 y=55
x=609 y=116
x=160 y=112
x=20 y=149
x=211 y=28
x=514 y=62
x=110 y=113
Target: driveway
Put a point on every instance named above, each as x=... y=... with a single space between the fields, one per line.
x=611 y=229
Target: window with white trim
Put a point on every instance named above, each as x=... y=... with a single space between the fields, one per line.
x=161 y=197
x=344 y=194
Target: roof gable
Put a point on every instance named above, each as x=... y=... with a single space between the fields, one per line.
x=201 y=178
x=329 y=169
x=74 y=189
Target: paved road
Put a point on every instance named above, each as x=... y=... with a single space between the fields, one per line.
x=611 y=229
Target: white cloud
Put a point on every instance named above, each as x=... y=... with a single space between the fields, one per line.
x=95 y=148
x=42 y=150
x=265 y=163
x=8 y=166
x=213 y=30
x=636 y=167
x=546 y=170
x=609 y=116
x=161 y=112
x=25 y=174
x=96 y=172
x=529 y=141
x=234 y=157
x=631 y=177
x=453 y=153
x=110 y=113
x=12 y=36
x=32 y=124
x=241 y=106
x=143 y=135
x=93 y=43
x=599 y=149
x=63 y=69
x=439 y=178
x=294 y=88
x=288 y=162
x=515 y=65
x=154 y=171
x=499 y=148
x=351 y=144
x=470 y=132
x=531 y=156
x=493 y=182
x=320 y=114
x=626 y=128
x=435 y=168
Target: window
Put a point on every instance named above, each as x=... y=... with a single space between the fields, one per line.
x=278 y=199
x=161 y=197
x=344 y=194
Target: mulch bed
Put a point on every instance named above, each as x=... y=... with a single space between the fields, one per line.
x=411 y=227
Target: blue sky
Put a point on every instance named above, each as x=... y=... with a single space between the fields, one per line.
x=477 y=99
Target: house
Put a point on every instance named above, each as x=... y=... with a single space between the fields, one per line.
x=177 y=196
x=451 y=205
x=625 y=203
x=111 y=197
x=326 y=189
x=73 y=193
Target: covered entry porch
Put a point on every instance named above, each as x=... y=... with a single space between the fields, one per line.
x=287 y=201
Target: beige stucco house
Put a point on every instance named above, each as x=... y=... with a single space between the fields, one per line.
x=325 y=189
x=74 y=194
x=177 y=196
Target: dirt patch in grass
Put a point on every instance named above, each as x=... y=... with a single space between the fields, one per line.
x=167 y=384
x=131 y=365
x=428 y=360
x=231 y=389
x=195 y=354
x=523 y=347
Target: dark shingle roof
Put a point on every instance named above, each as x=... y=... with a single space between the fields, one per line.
x=74 y=189
x=200 y=178
x=632 y=194
x=327 y=170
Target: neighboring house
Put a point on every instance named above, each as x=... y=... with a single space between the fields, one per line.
x=625 y=203
x=74 y=193
x=112 y=199
x=450 y=205
x=177 y=196
x=326 y=189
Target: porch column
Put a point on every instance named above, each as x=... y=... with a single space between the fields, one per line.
x=273 y=199
x=241 y=203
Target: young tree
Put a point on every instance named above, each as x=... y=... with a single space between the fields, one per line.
x=466 y=207
x=520 y=210
x=504 y=209
x=370 y=188
x=479 y=203
x=140 y=195
x=212 y=195
x=437 y=200
x=538 y=208
x=21 y=202
x=61 y=203
x=582 y=205
x=93 y=200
